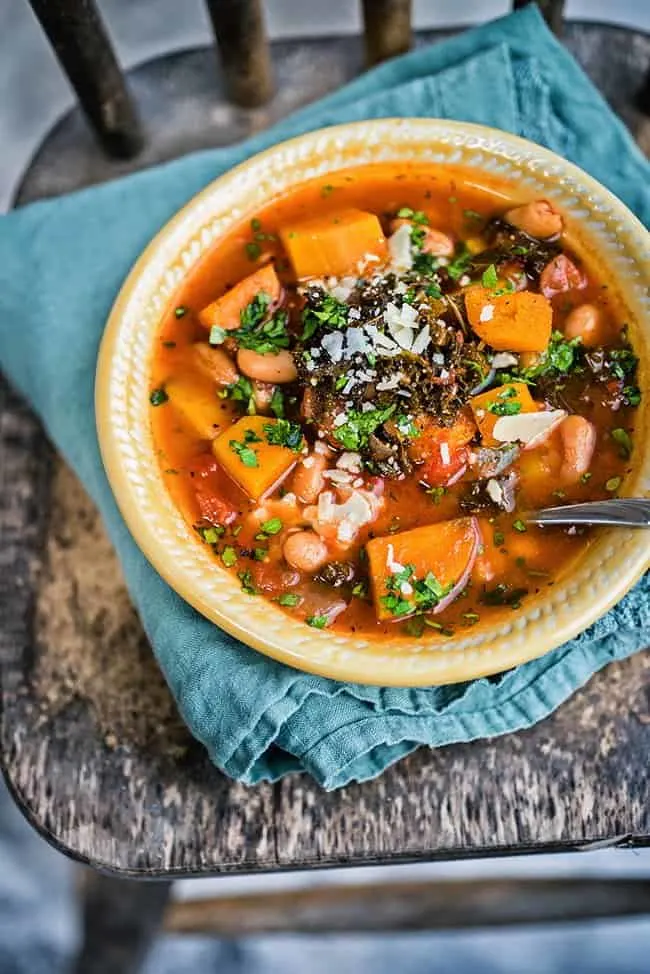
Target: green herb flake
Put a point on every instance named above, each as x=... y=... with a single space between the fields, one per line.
x=433 y=291
x=247 y=584
x=498 y=538
x=559 y=493
x=212 y=533
x=229 y=556
x=358 y=427
x=462 y=259
x=269 y=528
x=256 y=225
x=505 y=404
x=259 y=554
x=326 y=190
x=289 y=599
x=490 y=278
x=436 y=493
x=520 y=526
x=341 y=382
x=471 y=617
x=472 y=216
x=241 y=391
x=624 y=441
x=332 y=314
x=284 y=433
x=158 y=397
x=613 y=484
x=414 y=627
x=253 y=250
x=169 y=344
x=180 y=311
x=277 y=403
x=247 y=456
x=585 y=477
x=260 y=333
x=360 y=590
x=317 y=622
x=632 y=395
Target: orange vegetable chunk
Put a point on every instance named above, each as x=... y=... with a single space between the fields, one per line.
x=486 y=420
x=333 y=244
x=195 y=399
x=226 y=310
x=244 y=452
x=518 y=322
x=447 y=550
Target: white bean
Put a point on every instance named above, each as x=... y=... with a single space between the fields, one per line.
x=585 y=322
x=308 y=478
x=537 y=219
x=215 y=363
x=267 y=368
x=578 y=442
x=305 y=551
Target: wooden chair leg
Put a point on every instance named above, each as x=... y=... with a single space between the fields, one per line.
x=552 y=10
x=121 y=918
x=388 y=907
x=387 y=27
x=244 y=49
x=78 y=36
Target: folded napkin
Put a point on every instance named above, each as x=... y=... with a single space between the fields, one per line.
x=61 y=265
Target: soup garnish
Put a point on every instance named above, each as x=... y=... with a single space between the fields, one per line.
x=358 y=396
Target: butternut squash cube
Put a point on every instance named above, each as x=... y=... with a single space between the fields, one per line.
x=247 y=456
x=512 y=399
x=333 y=244
x=195 y=398
x=518 y=322
x=414 y=570
x=226 y=311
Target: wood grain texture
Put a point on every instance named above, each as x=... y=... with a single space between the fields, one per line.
x=113 y=778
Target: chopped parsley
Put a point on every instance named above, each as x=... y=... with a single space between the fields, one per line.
x=331 y=314
x=217 y=335
x=360 y=590
x=354 y=433
x=436 y=493
x=490 y=278
x=212 y=533
x=253 y=250
x=506 y=403
x=585 y=477
x=498 y=538
x=472 y=216
x=246 y=454
x=471 y=617
x=414 y=627
x=260 y=333
x=269 y=528
x=624 y=440
x=247 y=584
x=407 y=427
x=632 y=395
x=459 y=265
x=424 y=594
x=169 y=344
x=326 y=190
x=241 y=391
x=284 y=433
x=623 y=362
x=289 y=599
x=256 y=225
x=519 y=526
x=158 y=397
x=613 y=484
x=559 y=358
x=229 y=556
x=317 y=622
x=180 y=311
x=259 y=554
x=504 y=594
x=277 y=403
x=433 y=290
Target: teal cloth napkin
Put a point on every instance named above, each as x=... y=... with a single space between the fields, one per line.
x=61 y=265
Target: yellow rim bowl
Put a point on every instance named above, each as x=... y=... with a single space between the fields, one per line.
x=595 y=219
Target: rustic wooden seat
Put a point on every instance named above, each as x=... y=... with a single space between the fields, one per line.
x=92 y=748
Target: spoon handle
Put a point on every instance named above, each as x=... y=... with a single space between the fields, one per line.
x=625 y=512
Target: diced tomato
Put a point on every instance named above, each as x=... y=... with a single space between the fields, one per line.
x=208 y=480
x=445 y=465
x=272 y=578
x=560 y=275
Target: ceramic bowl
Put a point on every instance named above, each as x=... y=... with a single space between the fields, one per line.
x=596 y=220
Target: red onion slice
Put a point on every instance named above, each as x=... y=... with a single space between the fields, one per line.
x=464 y=578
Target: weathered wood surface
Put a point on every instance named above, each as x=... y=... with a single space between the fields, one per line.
x=91 y=745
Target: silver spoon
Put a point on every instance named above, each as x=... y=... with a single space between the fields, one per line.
x=622 y=512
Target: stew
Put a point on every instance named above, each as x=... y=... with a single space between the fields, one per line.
x=358 y=394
